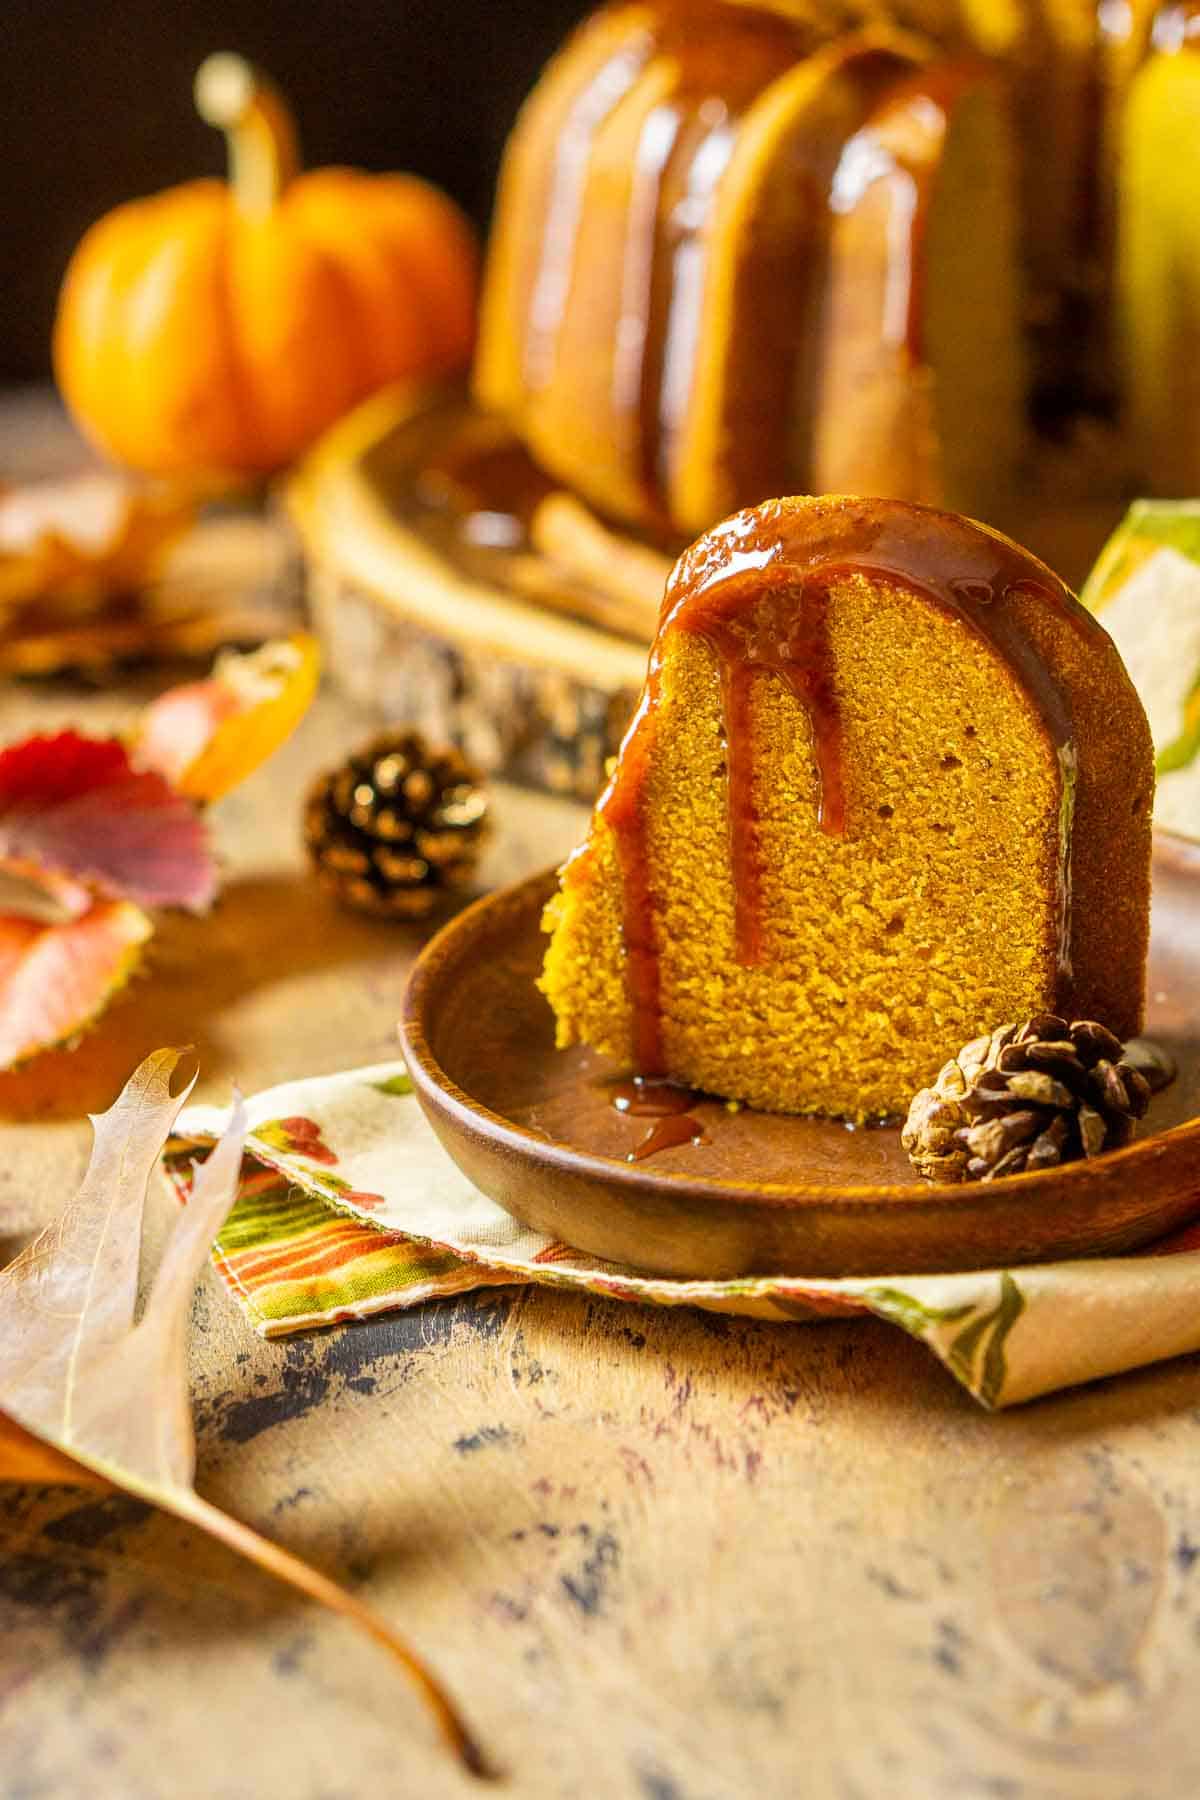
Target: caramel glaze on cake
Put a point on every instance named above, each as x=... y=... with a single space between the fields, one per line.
x=831 y=245
x=888 y=785
x=693 y=214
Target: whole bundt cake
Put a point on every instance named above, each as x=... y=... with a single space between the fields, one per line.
x=744 y=249
x=888 y=786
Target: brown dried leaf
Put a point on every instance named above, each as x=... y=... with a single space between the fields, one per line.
x=24 y=1457
x=131 y=633
x=85 y=1393
x=95 y=572
x=76 y=542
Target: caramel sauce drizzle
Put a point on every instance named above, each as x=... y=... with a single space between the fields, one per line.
x=719 y=60
x=638 y=351
x=723 y=65
x=668 y=1105
x=668 y=1134
x=551 y=276
x=643 y=1097
x=756 y=591
x=784 y=635
x=940 y=88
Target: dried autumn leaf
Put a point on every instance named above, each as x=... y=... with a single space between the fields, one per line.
x=223 y=580
x=87 y=1384
x=24 y=1457
x=77 y=806
x=54 y=979
x=80 y=541
x=82 y=827
x=208 y=736
x=147 y=628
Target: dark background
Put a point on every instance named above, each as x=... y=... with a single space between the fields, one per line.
x=95 y=108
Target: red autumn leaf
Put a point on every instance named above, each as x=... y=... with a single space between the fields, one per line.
x=77 y=806
x=55 y=978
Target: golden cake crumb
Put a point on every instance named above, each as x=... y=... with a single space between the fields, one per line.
x=935 y=915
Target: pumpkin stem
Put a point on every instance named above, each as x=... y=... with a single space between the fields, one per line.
x=264 y=154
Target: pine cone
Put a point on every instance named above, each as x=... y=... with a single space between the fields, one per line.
x=396 y=826
x=1026 y=1097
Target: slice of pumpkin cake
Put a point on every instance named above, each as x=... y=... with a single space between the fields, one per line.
x=888 y=786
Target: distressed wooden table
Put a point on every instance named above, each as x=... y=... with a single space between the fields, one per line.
x=655 y=1554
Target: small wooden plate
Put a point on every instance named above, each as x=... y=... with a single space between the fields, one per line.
x=534 y=1128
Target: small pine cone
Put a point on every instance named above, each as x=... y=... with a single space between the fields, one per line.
x=396 y=826
x=1028 y=1097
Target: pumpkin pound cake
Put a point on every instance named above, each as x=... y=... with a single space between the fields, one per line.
x=888 y=786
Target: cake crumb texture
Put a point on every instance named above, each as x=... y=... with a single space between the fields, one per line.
x=935 y=916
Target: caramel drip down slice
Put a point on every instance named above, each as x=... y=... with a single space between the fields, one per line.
x=782 y=634
x=583 y=406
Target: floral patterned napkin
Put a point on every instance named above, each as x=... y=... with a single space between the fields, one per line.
x=349 y=1206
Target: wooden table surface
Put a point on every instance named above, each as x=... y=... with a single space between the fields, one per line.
x=656 y=1554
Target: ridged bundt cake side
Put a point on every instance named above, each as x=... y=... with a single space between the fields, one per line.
x=670 y=264
x=745 y=322
x=889 y=785
x=537 y=202
x=710 y=214
x=919 y=377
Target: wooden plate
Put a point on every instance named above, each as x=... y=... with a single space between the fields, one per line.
x=535 y=1129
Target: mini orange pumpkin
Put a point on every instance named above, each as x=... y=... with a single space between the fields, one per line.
x=215 y=330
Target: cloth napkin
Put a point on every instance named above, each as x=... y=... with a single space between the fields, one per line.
x=349 y=1206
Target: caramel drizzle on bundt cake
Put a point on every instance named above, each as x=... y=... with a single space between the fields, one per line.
x=607 y=346
x=774 y=593
x=656 y=276
x=737 y=318
x=676 y=240
x=934 y=93
x=710 y=215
